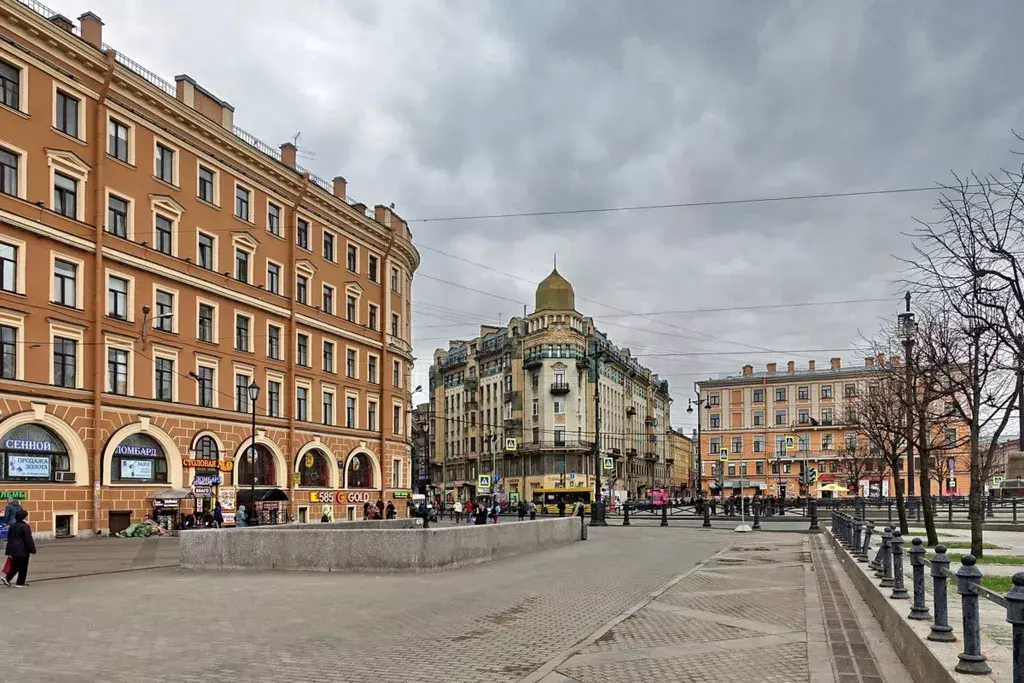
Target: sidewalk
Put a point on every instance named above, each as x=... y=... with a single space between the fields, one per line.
x=70 y=558
x=770 y=608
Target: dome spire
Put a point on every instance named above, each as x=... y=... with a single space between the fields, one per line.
x=555 y=293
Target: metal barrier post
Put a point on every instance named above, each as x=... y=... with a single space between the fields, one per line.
x=1015 y=616
x=625 y=515
x=950 y=509
x=757 y=514
x=887 y=580
x=941 y=631
x=813 y=505
x=664 y=514
x=919 y=610
x=862 y=555
x=707 y=515
x=857 y=524
x=971 y=659
x=899 y=590
x=876 y=563
x=890 y=510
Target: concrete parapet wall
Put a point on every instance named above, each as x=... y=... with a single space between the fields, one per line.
x=370 y=546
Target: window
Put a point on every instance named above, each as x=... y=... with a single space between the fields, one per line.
x=164 y=320
x=242 y=323
x=394 y=324
x=826 y=391
x=8 y=267
x=206 y=183
x=302 y=233
x=273 y=219
x=117 y=371
x=242 y=196
x=327 y=409
x=65 y=195
x=302 y=349
x=758 y=395
x=737 y=444
x=205 y=327
x=242 y=392
x=396 y=374
x=206 y=251
x=759 y=444
x=559 y=406
x=780 y=394
x=352 y=258
x=163 y=234
x=371 y=416
x=328 y=356
x=163 y=381
x=714 y=399
x=780 y=417
x=396 y=419
x=826 y=416
x=850 y=442
x=826 y=442
x=758 y=418
x=803 y=442
x=350 y=412
x=117 y=139
x=849 y=390
x=301 y=403
x=273 y=278
x=328 y=245
x=65 y=283
x=372 y=269
x=204 y=384
x=802 y=393
x=371 y=369
x=117 y=298
x=394 y=280
x=372 y=318
x=273 y=399
x=165 y=163
x=9 y=351
x=328 y=300
x=716 y=445
x=350 y=308
x=117 y=216
x=10 y=85
x=67 y=113
x=274 y=342
x=759 y=468
x=732 y=470
x=301 y=289
x=716 y=421
x=64 y=362
x=351 y=360
x=803 y=416
x=9 y=172
x=949 y=441
x=241 y=265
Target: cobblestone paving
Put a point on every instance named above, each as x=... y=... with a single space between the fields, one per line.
x=67 y=558
x=493 y=623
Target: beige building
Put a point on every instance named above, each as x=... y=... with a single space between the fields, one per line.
x=534 y=381
x=681 y=463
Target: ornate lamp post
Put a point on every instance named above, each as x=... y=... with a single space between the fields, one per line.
x=706 y=404
x=254 y=393
x=907 y=329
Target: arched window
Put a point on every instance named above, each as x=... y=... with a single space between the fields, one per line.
x=32 y=452
x=266 y=472
x=314 y=469
x=206 y=449
x=138 y=459
x=359 y=474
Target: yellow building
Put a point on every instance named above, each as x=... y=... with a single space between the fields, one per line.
x=681 y=472
x=533 y=381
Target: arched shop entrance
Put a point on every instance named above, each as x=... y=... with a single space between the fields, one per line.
x=258 y=486
x=34 y=453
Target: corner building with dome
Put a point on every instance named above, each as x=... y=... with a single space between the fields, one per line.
x=533 y=380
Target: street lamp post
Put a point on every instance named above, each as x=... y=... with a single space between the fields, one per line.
x=254 y=393
x=597 y=506
x=907 y=331
x=690 y=403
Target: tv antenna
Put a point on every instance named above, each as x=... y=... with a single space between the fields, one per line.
x=302 y=152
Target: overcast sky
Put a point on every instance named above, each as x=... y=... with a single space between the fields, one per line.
x=471 y=107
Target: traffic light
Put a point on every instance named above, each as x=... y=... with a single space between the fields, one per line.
x=851 y=486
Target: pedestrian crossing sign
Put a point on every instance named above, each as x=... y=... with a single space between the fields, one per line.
x=510 y=444
x=723 y=454
x=484 y=481
x=609 y=464
x=790 y=442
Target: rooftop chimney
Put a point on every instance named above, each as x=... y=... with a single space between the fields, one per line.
x=288 y=154
x=203 y=101
x=748 y=369
x=836 y=363
x=771 y=367
x=881 y=359
x=63 y=22
x=92 y=29
x=791 y=366
x=382 y=215
x=869 y=362
x=340 y=187
x=810 y=365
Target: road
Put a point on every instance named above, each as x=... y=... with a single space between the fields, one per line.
x=579 y=613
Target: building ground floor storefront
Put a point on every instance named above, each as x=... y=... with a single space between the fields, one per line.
x=168 y=467
x=829 y=486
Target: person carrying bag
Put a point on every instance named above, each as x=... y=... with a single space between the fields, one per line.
x=20 y=546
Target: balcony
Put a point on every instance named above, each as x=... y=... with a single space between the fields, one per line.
x=470 y=384
x=559 y=388
x=510 y=396
x=650 y=420
x=630 y=411
x=399 y=345
x=650 y=456
x=532 y=362
x=631 y=453
x=471 y=405
x=554 y=445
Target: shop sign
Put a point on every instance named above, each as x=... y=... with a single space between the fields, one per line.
x=20 y=495
x=143 y=451
x=28 y=466
x=205 y=480
x=401 y=494
x=137 y=469
x=165 y=504
x=229 y=519
x=202 y=491
x=20 y=445
x=227 y=497
x=329 y=497
x=208 y=464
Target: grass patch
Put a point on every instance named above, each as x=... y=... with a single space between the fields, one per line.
x=999 y=584
x=966 y=545
x=954 y=558
x=922 y=533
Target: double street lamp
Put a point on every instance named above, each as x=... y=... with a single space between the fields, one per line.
x=254 y=393
x=706 y=404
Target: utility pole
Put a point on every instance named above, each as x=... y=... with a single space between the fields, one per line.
x=597 y=506
x=908 y=330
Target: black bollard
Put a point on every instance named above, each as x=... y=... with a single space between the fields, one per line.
x=951 y=509
x=971 y=659
x=814 y=514
x=863 y=553
x=876 y=563
x=899 y=590
x=857 y=524
x=757 y=514
x=1015 y=616
x=887 y=580
x=941 y=631
x=625 y=515
x=919 y=610
x=707 y=515
x=664 y=514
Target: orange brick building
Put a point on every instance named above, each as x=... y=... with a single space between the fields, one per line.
x=155 y=263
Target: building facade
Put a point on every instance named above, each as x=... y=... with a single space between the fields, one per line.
x=752 y=413
x=159 y=264
x=681 y=464
x=536 y=380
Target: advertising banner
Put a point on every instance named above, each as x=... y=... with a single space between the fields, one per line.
x=136 y=469
x=28 y=466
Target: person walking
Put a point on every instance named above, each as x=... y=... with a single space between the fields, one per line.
x=457 y=511
x=391 y=511
x=561 y=507
x=240 y=517
x=521 y=509
x=10 y=511
x=20 y=546
x=469 y=512
x=218 y=516
x=533 y=511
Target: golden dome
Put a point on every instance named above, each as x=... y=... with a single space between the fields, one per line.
x=555 y=293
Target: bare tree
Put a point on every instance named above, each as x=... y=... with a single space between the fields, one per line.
x=857 y=462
